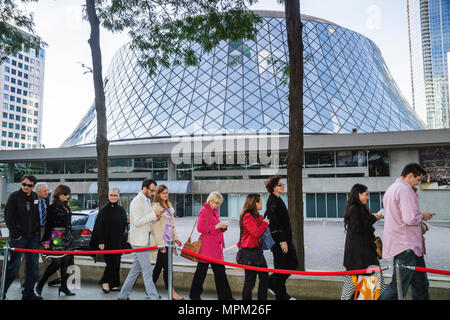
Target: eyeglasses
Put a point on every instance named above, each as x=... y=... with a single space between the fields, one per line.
x=27 y=185
x=152 y=190
x=280 y=185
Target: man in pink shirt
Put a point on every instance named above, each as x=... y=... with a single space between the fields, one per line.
x=402 y=237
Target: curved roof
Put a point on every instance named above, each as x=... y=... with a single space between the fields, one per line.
x=238 y=88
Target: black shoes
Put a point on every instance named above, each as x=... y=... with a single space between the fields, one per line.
x=103 y=289
x=66 y=291
x=39 y=287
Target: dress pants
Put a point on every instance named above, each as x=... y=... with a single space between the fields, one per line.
x=111 y=275
x=287 y=261
x=249 y=284
x=220 y=278
x=162 y=264
x=141 y=264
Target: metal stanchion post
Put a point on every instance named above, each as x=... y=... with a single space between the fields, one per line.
x=170 y=271
x=399 y=281
x=5 y=263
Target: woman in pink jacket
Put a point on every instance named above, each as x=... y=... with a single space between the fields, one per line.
x=211 y=230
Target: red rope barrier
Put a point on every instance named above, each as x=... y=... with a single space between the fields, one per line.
x=56 y=252
x=304 y=273
x=420 y=269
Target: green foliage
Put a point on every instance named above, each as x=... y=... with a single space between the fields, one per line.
x=3 y=242
x=164 y=31
x=283 y=66
x=75 y=204
x=14 y=23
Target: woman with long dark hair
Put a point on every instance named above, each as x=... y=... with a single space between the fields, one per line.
x=58 y=236
x=360 y=249
x=252 y=226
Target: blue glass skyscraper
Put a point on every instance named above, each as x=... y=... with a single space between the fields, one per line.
x=429 y=39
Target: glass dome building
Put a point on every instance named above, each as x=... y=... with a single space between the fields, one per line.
x=237 y=88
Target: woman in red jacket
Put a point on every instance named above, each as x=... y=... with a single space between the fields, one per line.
x=252 y=227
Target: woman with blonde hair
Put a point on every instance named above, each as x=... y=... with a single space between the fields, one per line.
x=211 y=230
x=163 y=231
x=252 y=226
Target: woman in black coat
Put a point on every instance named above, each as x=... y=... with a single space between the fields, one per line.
x=284 y=253
x=58 y=236
x=110 y=233
x=360 y=249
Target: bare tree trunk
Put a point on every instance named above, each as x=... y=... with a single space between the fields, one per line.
x=294 y=28
x=102 y=140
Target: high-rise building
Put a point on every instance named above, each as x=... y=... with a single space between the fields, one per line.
x=429 y=42
x=21 y=96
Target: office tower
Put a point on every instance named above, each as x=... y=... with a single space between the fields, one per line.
x=429 y=41
x=21 y=96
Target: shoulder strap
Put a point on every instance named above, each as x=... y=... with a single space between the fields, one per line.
x=206 y=223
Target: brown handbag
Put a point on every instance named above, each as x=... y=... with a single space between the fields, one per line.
x=193 y=246
x=379 y=245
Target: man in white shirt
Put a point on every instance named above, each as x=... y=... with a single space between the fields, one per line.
x=141 y=218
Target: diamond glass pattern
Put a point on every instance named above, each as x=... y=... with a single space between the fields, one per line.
x=237 y=88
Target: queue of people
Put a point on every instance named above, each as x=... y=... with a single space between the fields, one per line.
x=34 y=223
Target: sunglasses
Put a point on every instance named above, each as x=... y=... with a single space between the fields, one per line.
x=65 y=194
x=27 y=185
x=280 y=185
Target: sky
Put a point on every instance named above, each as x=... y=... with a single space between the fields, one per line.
x=69 y=92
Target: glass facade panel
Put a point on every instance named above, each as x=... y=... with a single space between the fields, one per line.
x=378 y=163
x=342 y=204
x=91 y=166
x=331 y=205
x=321 y=204
x=35 y=167
x=142 y=164
x=54 y=167
x=374 y=202
x=319 y=159
x=310 y=205
x=351 y=159
x=75 y=166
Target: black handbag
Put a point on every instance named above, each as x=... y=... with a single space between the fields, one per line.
x=251 y=257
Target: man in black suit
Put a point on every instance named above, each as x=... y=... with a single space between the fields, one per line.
x=42 y=191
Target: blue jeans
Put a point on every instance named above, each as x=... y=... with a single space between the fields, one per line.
x=31 y=264
x=418 y=280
